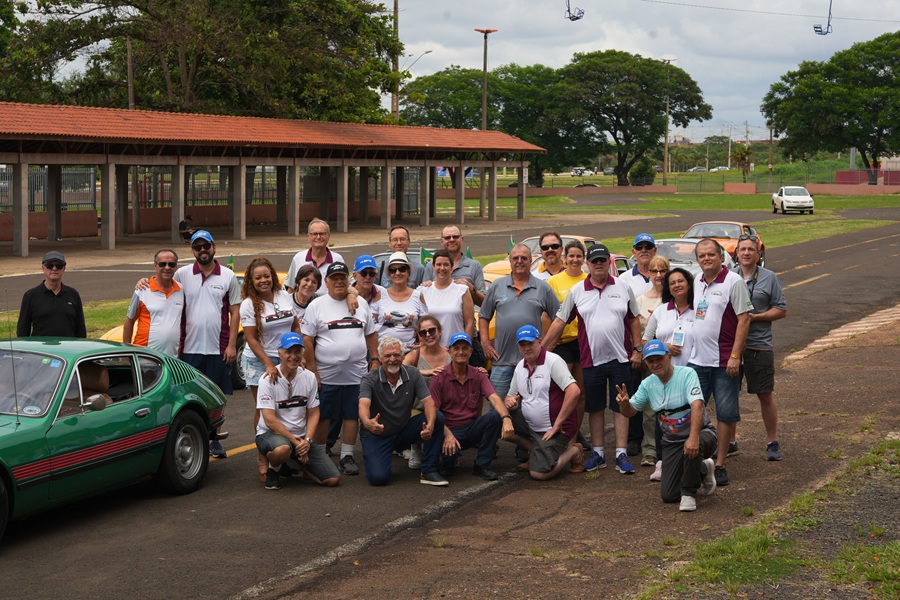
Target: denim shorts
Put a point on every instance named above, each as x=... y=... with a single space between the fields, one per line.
x=319 y=464
x=600 y=385
x=715 y=383
x=253 y=367
x=339 y=402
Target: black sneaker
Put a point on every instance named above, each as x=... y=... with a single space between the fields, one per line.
x=349 y=466
x=733 y=449
x=634 y=448
x=272 y=481
x=485 y=473
x=721 y=476
x=433 y=479
x=773 y=451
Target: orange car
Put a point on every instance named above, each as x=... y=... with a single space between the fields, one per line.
x=727 y=234
x=501 y=267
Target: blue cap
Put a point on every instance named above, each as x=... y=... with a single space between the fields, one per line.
x=643 y=237
x=462 y=336
x=202 y=234
x=291 y=339
x=527 y=333
x=655 y=348
x=365 y=261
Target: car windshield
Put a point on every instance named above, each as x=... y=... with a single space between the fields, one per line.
x=715 y=230
x=36 y=378
x=795 y=192
x=681 y=252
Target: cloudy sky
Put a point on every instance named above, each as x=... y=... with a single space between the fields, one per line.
x=734 y=49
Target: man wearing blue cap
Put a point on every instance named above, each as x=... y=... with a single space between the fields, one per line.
x=458 y=392
x=541 y=401
x=688 y=437
x=638 y=277
x=289 y=406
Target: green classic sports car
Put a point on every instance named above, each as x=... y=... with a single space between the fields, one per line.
x=78 y=417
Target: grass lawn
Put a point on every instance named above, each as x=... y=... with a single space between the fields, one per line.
x=99 y=317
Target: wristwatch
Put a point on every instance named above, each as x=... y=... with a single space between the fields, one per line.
x=505 y=417
x=638 y=349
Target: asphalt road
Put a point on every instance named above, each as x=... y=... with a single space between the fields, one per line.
x=232 y=534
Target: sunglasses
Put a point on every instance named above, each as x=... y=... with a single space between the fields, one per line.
x=546 y=247
x=201 y=247
x=427 y=332
x=55 y=266
x=451 y=237
x=163 y=264
x=368 y=273
x=752 y=238
x=644 y=247
x=602 y=259
x=659 y=271
x=393 y=270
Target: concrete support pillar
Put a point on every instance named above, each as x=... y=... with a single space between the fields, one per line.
x=386 y=197
x=177 y=201
x=324 y=192
x=460 y=216
x=520 y=192
x=293 y=200
x=238 y=199
x=53 y=201
x=135 y=201
x=432 y=195
x=121 y=199
x=399 y=186
x=19 y=191
x=281 y=194
x=363 y=194
x=343 y=198
x=492 y=193
x=425 y=174
x=108 y=207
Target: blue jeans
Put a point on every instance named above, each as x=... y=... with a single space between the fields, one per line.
x=377 y=450
x=501 y=377
x=725 y=389
x=483 y=432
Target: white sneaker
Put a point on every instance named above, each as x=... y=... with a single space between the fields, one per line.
x=688 y=504
x=657 y=473
x=708 y=485
x=415 y=457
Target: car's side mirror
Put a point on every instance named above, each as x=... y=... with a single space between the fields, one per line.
x=97 y=402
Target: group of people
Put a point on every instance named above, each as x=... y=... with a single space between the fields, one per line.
x=393 y=347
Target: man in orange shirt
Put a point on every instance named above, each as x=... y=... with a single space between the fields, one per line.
x=158 y=310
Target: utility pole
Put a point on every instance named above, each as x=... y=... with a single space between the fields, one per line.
x=668 y=61
x=486 y=32
x=729 y=147
x=395 y=94
x=771 y=148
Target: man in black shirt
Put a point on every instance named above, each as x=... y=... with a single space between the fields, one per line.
x=186 y=229
x=52 y=309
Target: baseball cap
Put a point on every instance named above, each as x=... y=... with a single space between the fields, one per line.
x=597 y=251
x=527 y=333
x=643 y=237
x=398 y=257
x=365 y=261
x=335 y=268
x=291 y=339
x=53 y=255
x=462 y=336
x=655 y=348
x=202 y=234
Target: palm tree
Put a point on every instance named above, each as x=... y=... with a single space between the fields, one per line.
x=740 y=155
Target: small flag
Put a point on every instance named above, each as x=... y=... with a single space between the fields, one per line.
x=512 y=243
x=469 y=252
x=426 y=257
x=230 y=264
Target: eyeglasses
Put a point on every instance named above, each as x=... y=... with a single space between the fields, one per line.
x=55 y=266
x=659 y=271
x=644 y=246
x=546 y=247
x=519 y=258
x=427 y=332
x=319 y=234
x=163 y=264
x=393 y=270
x=368 y=273
x=752 y=238
x=201 y=247
x=451 y=237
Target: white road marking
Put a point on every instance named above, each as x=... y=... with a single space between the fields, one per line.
x=845 y=332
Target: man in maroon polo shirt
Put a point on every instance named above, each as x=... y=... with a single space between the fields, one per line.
x=457 y=392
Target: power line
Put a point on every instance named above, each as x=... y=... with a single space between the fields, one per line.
x=767 y=12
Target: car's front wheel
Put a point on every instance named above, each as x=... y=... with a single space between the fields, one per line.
x=774 y=208
x=4 y=508
x=811 y=211
x=762 y=257
x=237 y=369
x=186 y=456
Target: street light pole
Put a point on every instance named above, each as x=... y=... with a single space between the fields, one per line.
x=395 y=93
x=668 y=61
x=486 y=32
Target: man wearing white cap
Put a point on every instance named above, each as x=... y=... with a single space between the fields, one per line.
x=51 y=308
x=688 y=437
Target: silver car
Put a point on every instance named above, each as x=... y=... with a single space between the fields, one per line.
x=680 y=253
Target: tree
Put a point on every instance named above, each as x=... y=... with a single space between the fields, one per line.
x=448 y=98
x=741 y=155
x=619 y=100
x=280 y=58
x=852 y=100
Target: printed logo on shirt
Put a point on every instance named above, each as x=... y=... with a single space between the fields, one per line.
x=345 y=323
x=282 y=314
x=292 y=402
x=695 y=391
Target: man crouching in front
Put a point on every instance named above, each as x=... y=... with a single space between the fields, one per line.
x=391 y=391
x=289 y=406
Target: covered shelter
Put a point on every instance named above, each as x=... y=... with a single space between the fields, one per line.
x=117 y=140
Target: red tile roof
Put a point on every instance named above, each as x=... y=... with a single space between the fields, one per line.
x=43 y=121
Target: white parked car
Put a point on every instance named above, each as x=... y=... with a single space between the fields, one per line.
x=717 y=169
x=792 y=197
